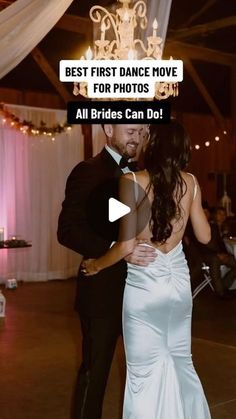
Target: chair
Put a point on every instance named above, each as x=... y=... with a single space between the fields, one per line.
x=207 y=280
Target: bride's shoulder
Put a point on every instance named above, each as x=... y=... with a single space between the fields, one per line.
x=139 y=175
x=188 y=177
x=191 y=182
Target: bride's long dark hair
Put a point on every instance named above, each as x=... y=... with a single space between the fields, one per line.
x=167 y=153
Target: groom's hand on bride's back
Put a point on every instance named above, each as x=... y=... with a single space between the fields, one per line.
x=141 y=255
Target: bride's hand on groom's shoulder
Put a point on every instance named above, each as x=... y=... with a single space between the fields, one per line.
x=89 y=267
x=142 y=255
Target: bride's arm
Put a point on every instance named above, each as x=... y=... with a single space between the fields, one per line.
x=127 y=231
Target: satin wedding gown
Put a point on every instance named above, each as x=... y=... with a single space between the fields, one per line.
x=161 y=380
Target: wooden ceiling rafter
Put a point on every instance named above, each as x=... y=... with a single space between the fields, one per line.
x=203 y=28
x=4 y=4
x=174 y=46
x=78 y=24
x=204 y=92
x=51 y=74
x=200 y=12
x=183 y=50
x=83 y=25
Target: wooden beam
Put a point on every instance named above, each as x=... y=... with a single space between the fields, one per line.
x=88 y=142
x=203 y=28
x=31 y=98
x=183 y=50
x=201 y=11
x=77 y=24
x=51 y=74
x=204 y=92
x=5 y=3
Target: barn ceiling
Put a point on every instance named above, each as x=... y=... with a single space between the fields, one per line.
x=202 y=33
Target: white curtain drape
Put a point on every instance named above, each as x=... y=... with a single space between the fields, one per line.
x=159 y=9
x=23 y=25
x=33 y=173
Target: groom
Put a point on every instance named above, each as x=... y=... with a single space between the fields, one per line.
x=99 y=297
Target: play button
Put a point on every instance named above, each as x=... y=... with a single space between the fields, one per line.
x=116 y=210
x=104 y=209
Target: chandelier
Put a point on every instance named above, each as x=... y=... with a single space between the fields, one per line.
x=124 y=46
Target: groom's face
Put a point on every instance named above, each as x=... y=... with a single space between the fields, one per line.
x=124 y=139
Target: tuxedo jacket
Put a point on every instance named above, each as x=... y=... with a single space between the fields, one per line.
x=84 y=227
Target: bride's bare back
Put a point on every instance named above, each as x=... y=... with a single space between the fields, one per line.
x=190 y=206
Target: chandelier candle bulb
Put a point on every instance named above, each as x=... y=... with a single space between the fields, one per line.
x=1 y=234
x=154 y=26
x=126 y=16
x=89 y=54
x=131 y=54
x=103 y=28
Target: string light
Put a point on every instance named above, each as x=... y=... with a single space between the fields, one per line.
x=27 y=127
x=207 y=143
x=217 y=138
x=197 y=146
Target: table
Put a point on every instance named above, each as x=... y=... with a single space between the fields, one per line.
x=13 y=262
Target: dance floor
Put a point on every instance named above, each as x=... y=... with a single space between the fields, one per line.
x=40 y=352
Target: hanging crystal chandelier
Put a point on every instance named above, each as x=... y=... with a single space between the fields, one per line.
x=122 y=25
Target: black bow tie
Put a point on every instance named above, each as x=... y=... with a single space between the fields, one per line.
x=132 y=165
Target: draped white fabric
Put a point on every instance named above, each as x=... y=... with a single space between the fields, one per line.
x=23 y=25
x=159 y=9
x=33 y=173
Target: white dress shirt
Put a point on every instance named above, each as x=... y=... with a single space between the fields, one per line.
x=117 y=157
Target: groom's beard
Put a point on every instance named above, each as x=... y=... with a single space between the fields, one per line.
x=128 y=150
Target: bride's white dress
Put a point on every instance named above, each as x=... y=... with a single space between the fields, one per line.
x=161 y=380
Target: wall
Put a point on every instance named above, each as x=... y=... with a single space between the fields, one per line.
x=208 y=163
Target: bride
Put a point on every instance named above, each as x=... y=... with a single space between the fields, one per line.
x=161 y=380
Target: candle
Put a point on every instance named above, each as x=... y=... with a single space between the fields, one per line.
x=154 y=27
x=89 y=54
x=103 y=28
x=1 y=234
x=131 y=54
x=126 y=16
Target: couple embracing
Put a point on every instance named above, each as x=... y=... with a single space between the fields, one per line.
x=135 y=281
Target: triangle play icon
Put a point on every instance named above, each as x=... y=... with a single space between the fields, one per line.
x=116 y=210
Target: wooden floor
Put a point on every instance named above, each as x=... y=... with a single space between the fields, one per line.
x=40 y=353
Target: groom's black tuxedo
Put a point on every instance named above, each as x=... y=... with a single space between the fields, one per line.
x=100 y=295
